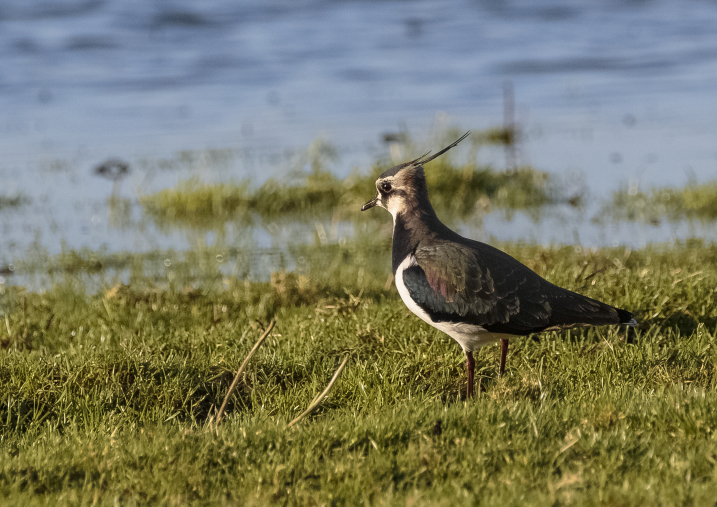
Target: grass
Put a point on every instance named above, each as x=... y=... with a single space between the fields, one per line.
x=312 y=190
x=692 y=202
x=108 y=390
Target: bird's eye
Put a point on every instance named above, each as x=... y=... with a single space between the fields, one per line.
x=386 y=186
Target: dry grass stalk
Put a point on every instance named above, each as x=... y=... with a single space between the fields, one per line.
x=317 y=401
x=241 y=369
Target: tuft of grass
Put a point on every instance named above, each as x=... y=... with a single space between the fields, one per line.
x=321 y=193
x=194 y=203
x=462 y=191
x=693 y=202
x=106 y=393
x=312 y=191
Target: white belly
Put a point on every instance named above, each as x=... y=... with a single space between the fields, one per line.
x=469 y=336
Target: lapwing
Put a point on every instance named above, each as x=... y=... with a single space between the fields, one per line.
x=471 y=291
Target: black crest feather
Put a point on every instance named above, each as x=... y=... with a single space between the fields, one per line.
x=423 y=158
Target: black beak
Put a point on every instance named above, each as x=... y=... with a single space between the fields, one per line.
x=373 y=202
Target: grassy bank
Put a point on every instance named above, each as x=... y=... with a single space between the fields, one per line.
x=312 y=190
x=107 y=394
x=318 y=193
x=691 y=202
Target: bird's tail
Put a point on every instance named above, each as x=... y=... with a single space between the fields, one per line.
x=626 y=317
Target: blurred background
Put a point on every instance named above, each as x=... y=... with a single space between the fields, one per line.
x=137 y=128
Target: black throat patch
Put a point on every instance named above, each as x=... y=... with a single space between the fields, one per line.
x=404 y=242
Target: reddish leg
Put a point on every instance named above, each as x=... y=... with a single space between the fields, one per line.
x=503 y=355
x=470 y=369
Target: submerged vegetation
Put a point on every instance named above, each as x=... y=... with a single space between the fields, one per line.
x=109 y=389
x=692 y=202
x=13 y=201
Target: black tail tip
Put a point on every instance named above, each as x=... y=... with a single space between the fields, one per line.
x=625 y=317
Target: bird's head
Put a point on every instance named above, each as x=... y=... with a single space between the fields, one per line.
x=404 y=186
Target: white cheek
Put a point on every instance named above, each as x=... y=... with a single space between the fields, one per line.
x=394 y=205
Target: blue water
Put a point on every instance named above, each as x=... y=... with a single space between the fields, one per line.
x=608 y=93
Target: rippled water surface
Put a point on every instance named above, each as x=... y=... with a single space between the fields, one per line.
x=614 y=92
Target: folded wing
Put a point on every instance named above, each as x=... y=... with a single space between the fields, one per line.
x=486 y=287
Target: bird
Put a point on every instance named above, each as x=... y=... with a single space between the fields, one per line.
x=471 y=291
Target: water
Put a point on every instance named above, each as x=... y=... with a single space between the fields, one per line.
x=617 y=92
